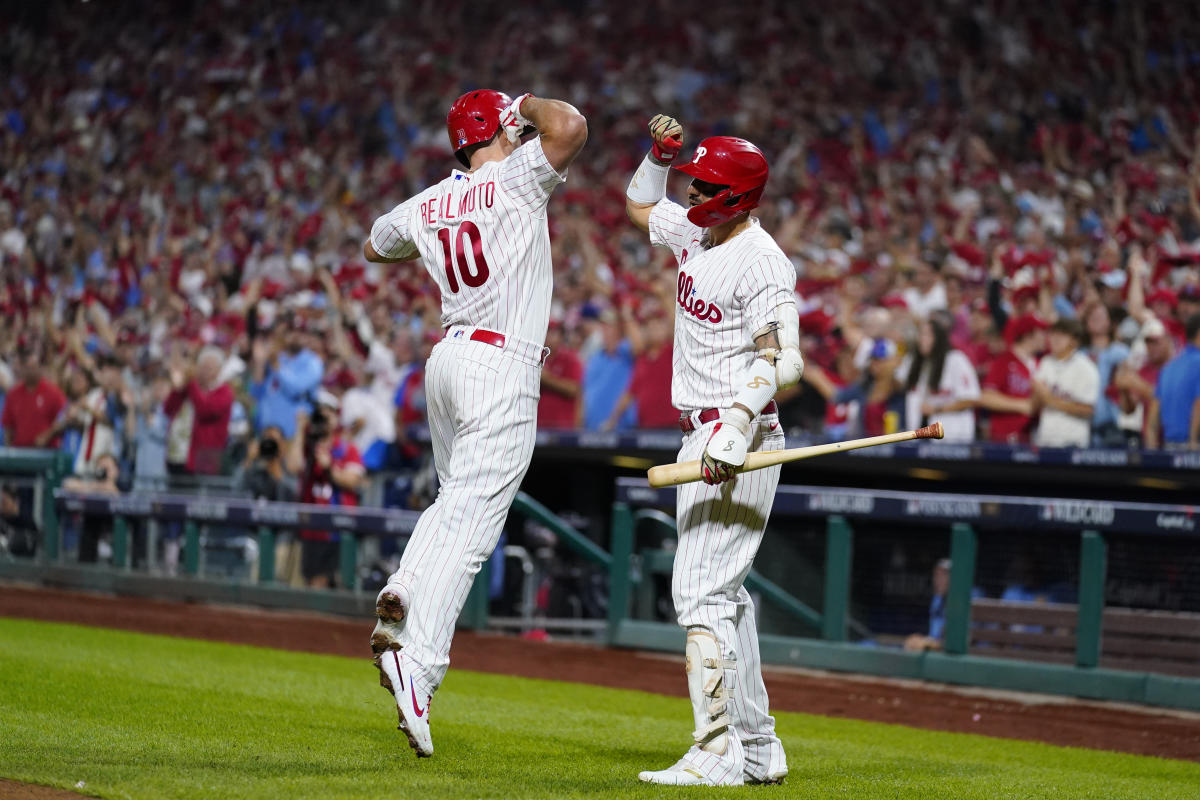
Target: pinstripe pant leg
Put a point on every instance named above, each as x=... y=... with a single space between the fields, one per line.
x=720 y=529
x=492 y=401
x=750 y=710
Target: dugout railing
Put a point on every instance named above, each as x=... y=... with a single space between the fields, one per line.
x=200 y=516
x=963 y=517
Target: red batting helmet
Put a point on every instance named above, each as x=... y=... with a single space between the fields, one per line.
x=474 y=118
x=732 y=162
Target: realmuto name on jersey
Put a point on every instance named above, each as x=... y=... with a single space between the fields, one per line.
x=705 y=312
x=446 y=207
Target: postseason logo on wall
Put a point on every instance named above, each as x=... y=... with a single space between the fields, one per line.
x=1078 y=512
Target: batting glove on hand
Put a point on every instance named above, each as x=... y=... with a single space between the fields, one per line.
x=511 y=120
x=668 y=138
x=726 y=449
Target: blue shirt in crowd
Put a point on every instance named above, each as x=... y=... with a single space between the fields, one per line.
x=605 y=378
x=288 y=389
x=1107 y=360
x=1177 y=391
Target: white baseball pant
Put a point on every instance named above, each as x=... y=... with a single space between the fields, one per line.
x=720 y=529
x=482 y=403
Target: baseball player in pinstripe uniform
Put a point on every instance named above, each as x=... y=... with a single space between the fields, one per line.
x=737 y=341
x=483 y=236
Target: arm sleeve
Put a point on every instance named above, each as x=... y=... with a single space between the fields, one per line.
x=527 y=176
x=767 y=283
x=670 y=227
x=390 y=234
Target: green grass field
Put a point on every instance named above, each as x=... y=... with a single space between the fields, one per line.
x=135 y=716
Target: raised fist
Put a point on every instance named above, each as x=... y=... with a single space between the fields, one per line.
x=668 y=138
x=512 y=121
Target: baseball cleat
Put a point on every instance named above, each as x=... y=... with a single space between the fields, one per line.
x=700 y=768
x=391 y=607
x=412 y=704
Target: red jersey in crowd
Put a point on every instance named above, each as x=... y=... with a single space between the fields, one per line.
x=650 y=385
x=557 y=410
x=210 y=426
x=30 y=412
x=1012 y=376
x=318 y=486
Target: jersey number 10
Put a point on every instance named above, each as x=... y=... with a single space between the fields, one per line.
x=457 y=260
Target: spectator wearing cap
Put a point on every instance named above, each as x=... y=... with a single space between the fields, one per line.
x=285 y=377
x=1134 y=381
x=562 y=374
x=1176 y=406
x=606 y=377
x=1066 y=387
x=1007 y=389
x=211 y=402
x=331 y=473
x=32 y=406
x=1102 y=347
x=939 y=382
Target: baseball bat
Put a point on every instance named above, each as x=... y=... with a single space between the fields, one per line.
x=688 y=471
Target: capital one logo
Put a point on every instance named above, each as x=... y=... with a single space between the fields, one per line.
x=700 y=153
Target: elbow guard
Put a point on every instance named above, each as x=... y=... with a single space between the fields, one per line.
x=789 y=367
x=789 y=364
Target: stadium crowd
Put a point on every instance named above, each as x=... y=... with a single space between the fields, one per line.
x=993 y=209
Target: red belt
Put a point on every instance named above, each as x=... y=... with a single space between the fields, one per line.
x=487 y=337
x=528 y=349
x=712 y=414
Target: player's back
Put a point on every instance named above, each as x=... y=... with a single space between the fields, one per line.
x=484 y=238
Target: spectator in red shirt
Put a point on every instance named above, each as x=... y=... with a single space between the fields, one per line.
x=332 y=473
x=562 y=377
x=1007 y=388
x=650 y=383
x=31 y=407
x=211 y=403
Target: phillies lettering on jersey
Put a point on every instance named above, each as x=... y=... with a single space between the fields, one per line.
x=484 y=239
x=726 y=294
x=688 y=302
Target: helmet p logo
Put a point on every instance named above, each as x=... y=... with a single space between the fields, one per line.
x=700 y=153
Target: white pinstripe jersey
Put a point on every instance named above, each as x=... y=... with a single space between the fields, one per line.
x=484 y=239
x=723 y=295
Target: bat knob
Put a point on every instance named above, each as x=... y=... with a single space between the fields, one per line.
x=934 y=431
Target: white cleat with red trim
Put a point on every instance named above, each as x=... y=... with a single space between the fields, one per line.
x=411 y=702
